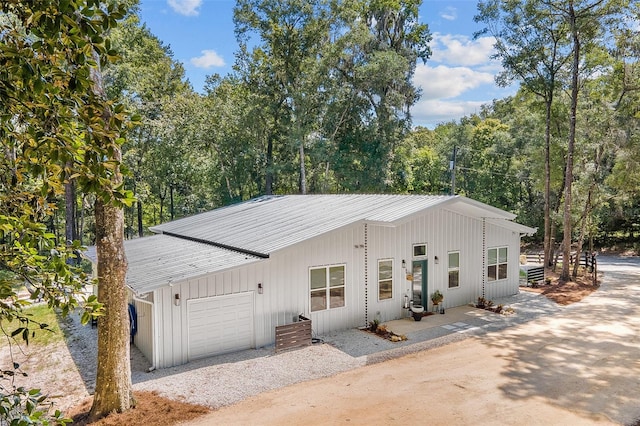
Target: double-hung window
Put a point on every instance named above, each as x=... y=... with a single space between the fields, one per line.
x=385 y=279
x=327 y=287
x=454 y=269
x=497 y=263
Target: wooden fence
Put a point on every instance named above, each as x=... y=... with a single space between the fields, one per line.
x=586 y=259
x=294 y=335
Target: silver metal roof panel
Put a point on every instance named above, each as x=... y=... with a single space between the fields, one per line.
x=267 y=224
x=160 y=260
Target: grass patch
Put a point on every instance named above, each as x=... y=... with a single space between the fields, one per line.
x=41 y=314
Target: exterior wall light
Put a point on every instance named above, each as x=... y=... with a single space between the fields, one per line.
x=260 y=289
x=436 y=260
x=176 y=299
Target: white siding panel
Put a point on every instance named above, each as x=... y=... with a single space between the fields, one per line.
x=501 y=237
x=144 y=337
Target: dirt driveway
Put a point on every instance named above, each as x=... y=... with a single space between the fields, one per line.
x=581 y=366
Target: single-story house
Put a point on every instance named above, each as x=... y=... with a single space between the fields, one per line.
x=221 y=281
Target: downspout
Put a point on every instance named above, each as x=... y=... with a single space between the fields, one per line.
x=484 y=255
x=366 y=277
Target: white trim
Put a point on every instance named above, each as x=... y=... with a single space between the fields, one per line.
x=328 y=286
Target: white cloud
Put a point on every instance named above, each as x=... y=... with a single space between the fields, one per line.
x=444 y=82
x=208 y=59
x=185 y=7
x=450 y=14
x=461 y=50
x=430 y=113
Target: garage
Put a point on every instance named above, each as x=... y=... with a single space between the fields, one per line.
x=221 y=324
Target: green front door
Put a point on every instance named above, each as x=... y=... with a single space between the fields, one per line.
x=419 y=290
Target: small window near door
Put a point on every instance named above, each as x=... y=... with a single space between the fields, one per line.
x=454 y=269
x=419 y=250
x=385 y=279
x=497 y=263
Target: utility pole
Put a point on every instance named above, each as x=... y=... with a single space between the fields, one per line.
x=452 y=168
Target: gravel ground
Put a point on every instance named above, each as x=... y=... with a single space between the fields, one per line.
x=227 y=379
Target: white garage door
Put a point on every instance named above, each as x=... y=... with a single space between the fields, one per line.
x=220 y=324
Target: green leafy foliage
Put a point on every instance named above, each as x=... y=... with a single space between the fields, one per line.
x=52 y=129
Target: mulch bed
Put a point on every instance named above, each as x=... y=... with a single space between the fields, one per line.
x=565 y=292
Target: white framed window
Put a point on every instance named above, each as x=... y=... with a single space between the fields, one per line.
x=419 y=250
x=385 y=279
x=497 y=263
x=454 y=269
x=327 y=284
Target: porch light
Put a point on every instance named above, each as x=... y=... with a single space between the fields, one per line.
x=260 y=289
x=176 y=299
x=436 y=260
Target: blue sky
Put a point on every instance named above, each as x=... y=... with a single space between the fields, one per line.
x=455 y=81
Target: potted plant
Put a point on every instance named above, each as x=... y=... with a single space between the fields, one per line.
x=437 y=297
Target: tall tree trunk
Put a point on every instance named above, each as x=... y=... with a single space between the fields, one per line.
x=583 y=228
x=303 y=170
x=268 y=185
x=547 y=183
x=140 y=227
x=113 y=391
x=171 y=207
x=566 y=252
x=70 y=229
x=113 y=379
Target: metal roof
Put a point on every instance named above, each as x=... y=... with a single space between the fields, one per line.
x=267 y=224
x=160 y=260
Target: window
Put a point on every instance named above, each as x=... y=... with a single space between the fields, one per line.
x=419 y=250
x=385 y=279
x=327 y=287
x=497 y=263
x=454 y=269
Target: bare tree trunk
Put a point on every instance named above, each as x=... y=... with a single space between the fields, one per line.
x=303 y=170
x=565 y=274
x=113 y=392
x=547 y=186
x=140 y=227
x=268 y=186
x=583 y=228
x=171 y=207
x=113 y=379
x=70 y=229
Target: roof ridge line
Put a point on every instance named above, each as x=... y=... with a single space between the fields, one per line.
x=213 y=243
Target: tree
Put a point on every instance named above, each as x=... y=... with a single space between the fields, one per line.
x=280 y=71
x=371 y=61
x=586 y=21
x=531 y=42
x=53 y=128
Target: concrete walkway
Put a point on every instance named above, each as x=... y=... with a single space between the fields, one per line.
x=440 y=329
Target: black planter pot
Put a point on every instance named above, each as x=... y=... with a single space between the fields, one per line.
x=417 y=316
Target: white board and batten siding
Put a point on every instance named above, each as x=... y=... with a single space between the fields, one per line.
x=144 y=336
x=442 y=231
x=501 y=237
x=286 y=294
